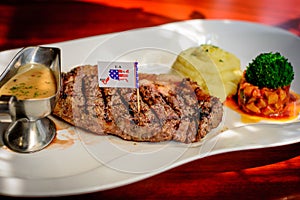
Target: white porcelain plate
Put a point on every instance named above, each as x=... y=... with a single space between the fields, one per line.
x=79 y=162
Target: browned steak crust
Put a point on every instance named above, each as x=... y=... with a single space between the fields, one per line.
x=171 y=108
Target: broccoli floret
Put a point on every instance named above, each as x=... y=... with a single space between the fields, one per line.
x=271 y=70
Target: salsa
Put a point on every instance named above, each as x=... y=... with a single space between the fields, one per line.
x=263 y=101
x=291 y=112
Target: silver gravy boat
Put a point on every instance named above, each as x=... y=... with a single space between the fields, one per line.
x=30 y=129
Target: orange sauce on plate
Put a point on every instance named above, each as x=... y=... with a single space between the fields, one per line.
x=290 y=114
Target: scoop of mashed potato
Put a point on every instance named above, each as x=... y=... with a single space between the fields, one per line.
x=217 y=71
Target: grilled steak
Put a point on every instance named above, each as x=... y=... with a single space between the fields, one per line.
x=170 y=108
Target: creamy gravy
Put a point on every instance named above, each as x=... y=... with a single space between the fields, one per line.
x=33 y=81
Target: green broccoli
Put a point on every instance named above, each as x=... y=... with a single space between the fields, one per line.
x=271 y=70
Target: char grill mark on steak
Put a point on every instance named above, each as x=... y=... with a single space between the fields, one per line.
x=165 y=115
x=139 y=126
x=180 y=98
x=90 y=113
x=177 y=124
x=171 y=108
x=107 y=94
x=190 y=114
x=211 y=112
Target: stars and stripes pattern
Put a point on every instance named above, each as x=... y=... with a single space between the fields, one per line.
x=118 y=74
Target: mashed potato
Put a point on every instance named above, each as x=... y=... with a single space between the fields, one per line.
x=214 y=69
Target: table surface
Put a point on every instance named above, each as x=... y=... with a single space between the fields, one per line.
x=270 y=173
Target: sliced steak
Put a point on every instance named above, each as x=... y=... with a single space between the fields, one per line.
x=170 y=107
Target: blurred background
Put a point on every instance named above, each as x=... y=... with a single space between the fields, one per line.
x=34 y=22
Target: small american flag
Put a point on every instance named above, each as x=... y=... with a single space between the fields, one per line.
x=118 y=74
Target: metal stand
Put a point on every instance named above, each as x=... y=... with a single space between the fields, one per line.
x=30 y=130
x=25 y=136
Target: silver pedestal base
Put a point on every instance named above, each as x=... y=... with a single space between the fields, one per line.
x=26 y=136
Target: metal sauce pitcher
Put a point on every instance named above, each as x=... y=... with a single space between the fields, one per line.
x=30 y=129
